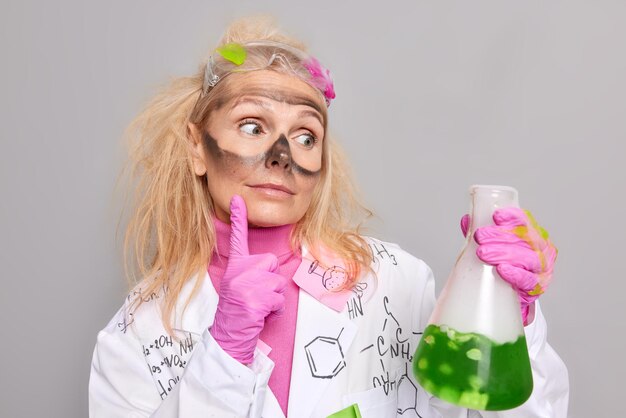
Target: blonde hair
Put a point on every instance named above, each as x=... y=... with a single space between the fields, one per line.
x=170 y=236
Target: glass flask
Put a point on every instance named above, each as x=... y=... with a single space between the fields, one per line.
x=473 y=352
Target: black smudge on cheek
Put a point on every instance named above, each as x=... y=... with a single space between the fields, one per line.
x=227 y=160
x=307 y=173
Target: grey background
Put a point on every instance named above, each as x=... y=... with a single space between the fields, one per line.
x=432 y=97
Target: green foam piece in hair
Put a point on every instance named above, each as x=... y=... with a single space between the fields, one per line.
x=233 y=52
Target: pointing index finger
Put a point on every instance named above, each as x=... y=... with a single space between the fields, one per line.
x=239 y=226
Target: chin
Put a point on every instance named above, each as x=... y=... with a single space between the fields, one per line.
x=262 y=215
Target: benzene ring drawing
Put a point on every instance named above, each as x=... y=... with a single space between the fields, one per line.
x=325 y=357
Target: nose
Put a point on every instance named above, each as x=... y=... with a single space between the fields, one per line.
x=279 y=155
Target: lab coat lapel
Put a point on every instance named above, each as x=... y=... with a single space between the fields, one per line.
x=198 y=314
x=271 y=407
x=323 y=337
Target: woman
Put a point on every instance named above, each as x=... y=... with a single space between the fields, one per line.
x=297 y=314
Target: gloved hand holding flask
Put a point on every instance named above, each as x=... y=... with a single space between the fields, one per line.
x=521 y=251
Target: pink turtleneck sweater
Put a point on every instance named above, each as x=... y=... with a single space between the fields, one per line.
x=279 y=331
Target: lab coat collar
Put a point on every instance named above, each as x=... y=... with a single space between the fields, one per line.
x=323 y=337
x=322 y=279
x=197 y=315
x=309 y=280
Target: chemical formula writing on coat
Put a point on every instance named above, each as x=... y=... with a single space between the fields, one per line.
x=169 y=385
x=325 y=356
x=392 y=343
x=166 y=359
x=127 y=320
x=399 y=345
x=384 y=380
x=381 y=253
x=138 y=293
x=355 y=304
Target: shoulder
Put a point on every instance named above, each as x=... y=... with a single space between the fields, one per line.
x=395 y=259
x=398 y=275
x=141 y=314
x=135 y=351
x=401 y=288
x=140 y=311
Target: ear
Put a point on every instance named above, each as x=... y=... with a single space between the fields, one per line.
x=197 y=151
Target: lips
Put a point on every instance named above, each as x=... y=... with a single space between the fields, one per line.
x=273 y=186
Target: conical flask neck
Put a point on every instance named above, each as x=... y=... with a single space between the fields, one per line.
x=485 y=200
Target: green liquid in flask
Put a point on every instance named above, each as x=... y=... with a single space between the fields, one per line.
x=470 y=370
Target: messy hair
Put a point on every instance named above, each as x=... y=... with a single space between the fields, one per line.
x=170 y=236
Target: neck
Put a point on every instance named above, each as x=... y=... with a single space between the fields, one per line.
x=276 y=239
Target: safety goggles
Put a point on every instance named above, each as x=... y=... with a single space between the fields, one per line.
x=236 y=58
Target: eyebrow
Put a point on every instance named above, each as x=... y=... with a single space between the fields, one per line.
x=316 y=115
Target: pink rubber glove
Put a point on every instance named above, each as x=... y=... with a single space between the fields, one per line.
x=520 y=250
x=249 y=291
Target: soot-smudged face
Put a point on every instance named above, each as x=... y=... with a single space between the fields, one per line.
x=265 y=144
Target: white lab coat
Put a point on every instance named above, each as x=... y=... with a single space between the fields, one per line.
x=360 y=355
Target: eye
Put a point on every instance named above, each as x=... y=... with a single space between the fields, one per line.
x=251 y=127
x=307 y=140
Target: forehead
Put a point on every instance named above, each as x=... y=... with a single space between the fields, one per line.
x=275 y=86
